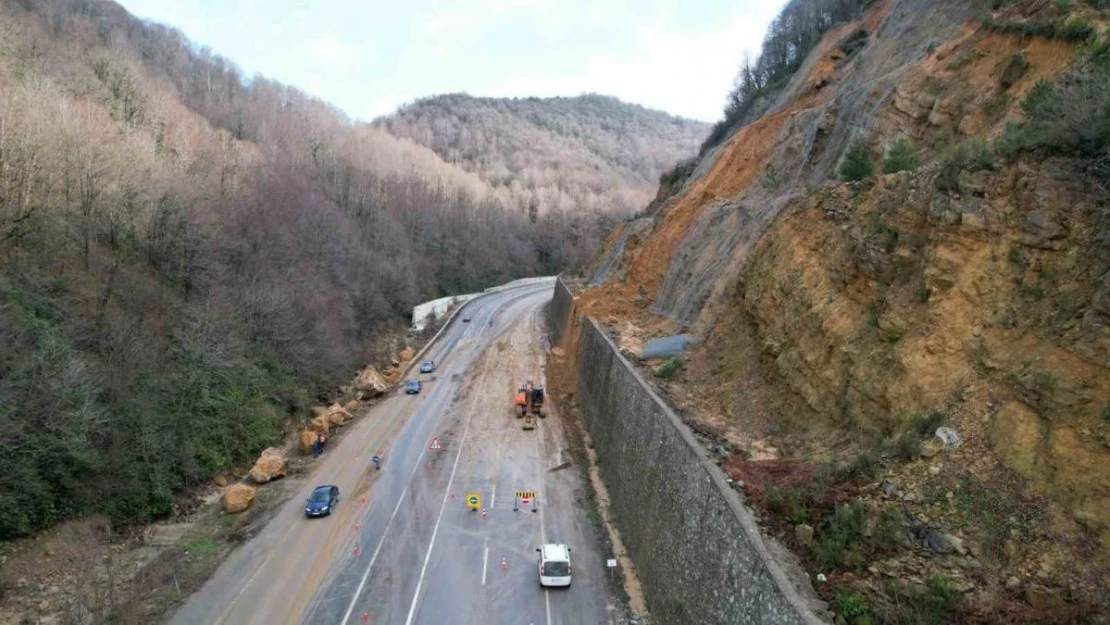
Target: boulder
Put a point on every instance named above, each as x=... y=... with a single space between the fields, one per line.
x=269 y=466
x=370 y=383
x=804 y=534
x=336 y=415
x=221 y=481
x=352 y=405
x=320 y=424
x=238 y=497
x=407 y=354
x=307 y=438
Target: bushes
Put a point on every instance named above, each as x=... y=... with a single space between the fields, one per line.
x=122 y=428
x=850 y=606
x=1077 y=29
x=900 y=157
x=668 y=369
x=1070 y=117
x=841 y=539
x=926 y=423
x=970 y=155
x=679 y=173
x=857 y=164
x=935 y=603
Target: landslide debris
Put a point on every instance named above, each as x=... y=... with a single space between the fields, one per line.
x=238 y=497
x=269 y=466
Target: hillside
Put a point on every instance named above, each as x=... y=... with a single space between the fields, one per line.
x=189 y=256
x=588 y=153
x=900 y=224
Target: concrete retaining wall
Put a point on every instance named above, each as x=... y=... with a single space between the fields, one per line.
x=697 y=550
x=559 y=311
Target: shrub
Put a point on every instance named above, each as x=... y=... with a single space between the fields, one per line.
x=900 y=157
x=669 y=369
x=864 y=465
x=906 y=447
x=1077 y=29
x=841 y=538
x=850 y=606
x=935 y=603
x=926 y=423
x=770 y=180
x=679 y=172
x=970 y=155
x=1071 y=117
x=792 y=504
x=1063 y=7
x=857 y=164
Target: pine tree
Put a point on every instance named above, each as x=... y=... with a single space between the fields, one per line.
x=900 y=157
x=857 y=164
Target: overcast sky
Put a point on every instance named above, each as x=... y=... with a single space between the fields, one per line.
x=370 y=56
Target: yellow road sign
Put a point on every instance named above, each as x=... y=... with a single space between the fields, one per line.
x=526 y=494
x=473 y=500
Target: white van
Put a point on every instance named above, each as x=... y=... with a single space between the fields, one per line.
x=554 y=565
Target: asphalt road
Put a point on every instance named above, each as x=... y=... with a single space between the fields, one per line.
x=402 y=548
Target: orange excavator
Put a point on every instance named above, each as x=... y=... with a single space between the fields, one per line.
x=529 y=404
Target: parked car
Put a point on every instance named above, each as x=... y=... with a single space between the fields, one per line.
x=554 y=565
x=412 y=387
x=427 y=366
x=321 y=501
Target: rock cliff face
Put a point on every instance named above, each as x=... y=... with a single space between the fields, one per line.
x=832 y=316
x=875 y=302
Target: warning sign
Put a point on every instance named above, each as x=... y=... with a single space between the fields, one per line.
x=436 y=445
x=473 y=501
x=523 y=495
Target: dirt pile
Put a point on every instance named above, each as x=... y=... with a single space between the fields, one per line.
x=237 y=498
x=269 y=466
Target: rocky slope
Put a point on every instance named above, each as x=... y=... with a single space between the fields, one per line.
x=841 y=323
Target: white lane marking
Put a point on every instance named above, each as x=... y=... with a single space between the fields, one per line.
x=485 y=563
x=439 y=519
x=493 y=497
x=543 y=533
x=381 y=541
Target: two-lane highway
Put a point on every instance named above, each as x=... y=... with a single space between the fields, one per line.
x=402 y=548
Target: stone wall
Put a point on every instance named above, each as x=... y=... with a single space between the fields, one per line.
x=697 y=550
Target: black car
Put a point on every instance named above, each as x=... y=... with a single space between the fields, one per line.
x=466 y=318
x=322 y=501
x=412 y=387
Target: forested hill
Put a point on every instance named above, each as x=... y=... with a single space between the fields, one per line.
x=587 y=153
x=188 y=255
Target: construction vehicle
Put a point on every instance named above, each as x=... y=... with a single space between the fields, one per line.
x=529 y=404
